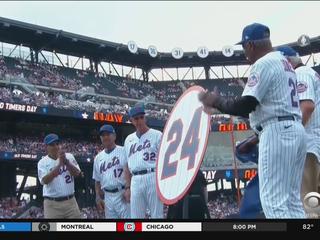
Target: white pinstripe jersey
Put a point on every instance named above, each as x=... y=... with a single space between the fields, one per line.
x=272 y=81
x=142 y=152
x=63 y=184
x=309 y=89
x=108 y=168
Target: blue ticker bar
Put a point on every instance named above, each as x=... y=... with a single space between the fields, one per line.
x=15 y=227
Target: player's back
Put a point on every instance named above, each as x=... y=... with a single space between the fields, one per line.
x=273 y=82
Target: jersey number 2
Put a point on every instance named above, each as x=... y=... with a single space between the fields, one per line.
x=189 y=148
x=293 y=93
x=68 y=178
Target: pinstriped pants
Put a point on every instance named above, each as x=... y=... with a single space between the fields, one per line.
x=115 y=206
x=282 y=152
x=144 y=196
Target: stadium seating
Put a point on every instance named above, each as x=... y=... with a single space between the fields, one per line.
x=74 y=79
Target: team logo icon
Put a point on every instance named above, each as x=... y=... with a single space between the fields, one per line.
x=44 y=227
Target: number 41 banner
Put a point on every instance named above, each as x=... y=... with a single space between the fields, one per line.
x=183 y=146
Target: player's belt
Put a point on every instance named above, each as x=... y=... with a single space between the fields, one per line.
x=59 y=199
x=280 y=119
x=142 y=172
x=114 y=190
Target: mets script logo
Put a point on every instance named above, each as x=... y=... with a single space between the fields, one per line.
x=104 y=167
x=138 y=148
x=129 y=227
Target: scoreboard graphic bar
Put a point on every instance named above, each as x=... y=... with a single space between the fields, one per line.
x=15 y=227
x=306 y=225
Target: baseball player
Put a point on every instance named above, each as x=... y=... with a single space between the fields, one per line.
x=309 y=95
x=56 y=172
x=142 y=149
x=270 y=97
x=109 y=177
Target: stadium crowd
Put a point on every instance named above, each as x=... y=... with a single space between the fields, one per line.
x=42 y=74
x=69 y=101
x=81 y=83
x=216 y=156
x=34 y=145
x=223 y=206
x=9 y=207
x=93 y=104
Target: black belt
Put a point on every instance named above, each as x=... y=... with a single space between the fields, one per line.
x=142 y=172
x=283 y=118
x=59 y=199
x=114 y=190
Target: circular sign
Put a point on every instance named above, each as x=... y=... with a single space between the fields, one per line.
x=304 y=40
x=311 y=203
x=132 y=46
x=227 y=51
x=203 y=52
x=177 y=53
x=183 y=145
x=152 y=50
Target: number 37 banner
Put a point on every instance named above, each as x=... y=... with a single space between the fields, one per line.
x=183 y=146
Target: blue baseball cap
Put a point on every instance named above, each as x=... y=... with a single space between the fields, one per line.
x=106 y=128
x=253 y=32
x=51 y=138
x=288 y=51
x=137 y=110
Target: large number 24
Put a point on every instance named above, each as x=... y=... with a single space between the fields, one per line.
x=189 y=148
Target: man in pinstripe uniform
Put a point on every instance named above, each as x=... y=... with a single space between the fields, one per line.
x=56 y=173
x=142 y=149
x=309 y=96
x=270 y=98
x=109 y=177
